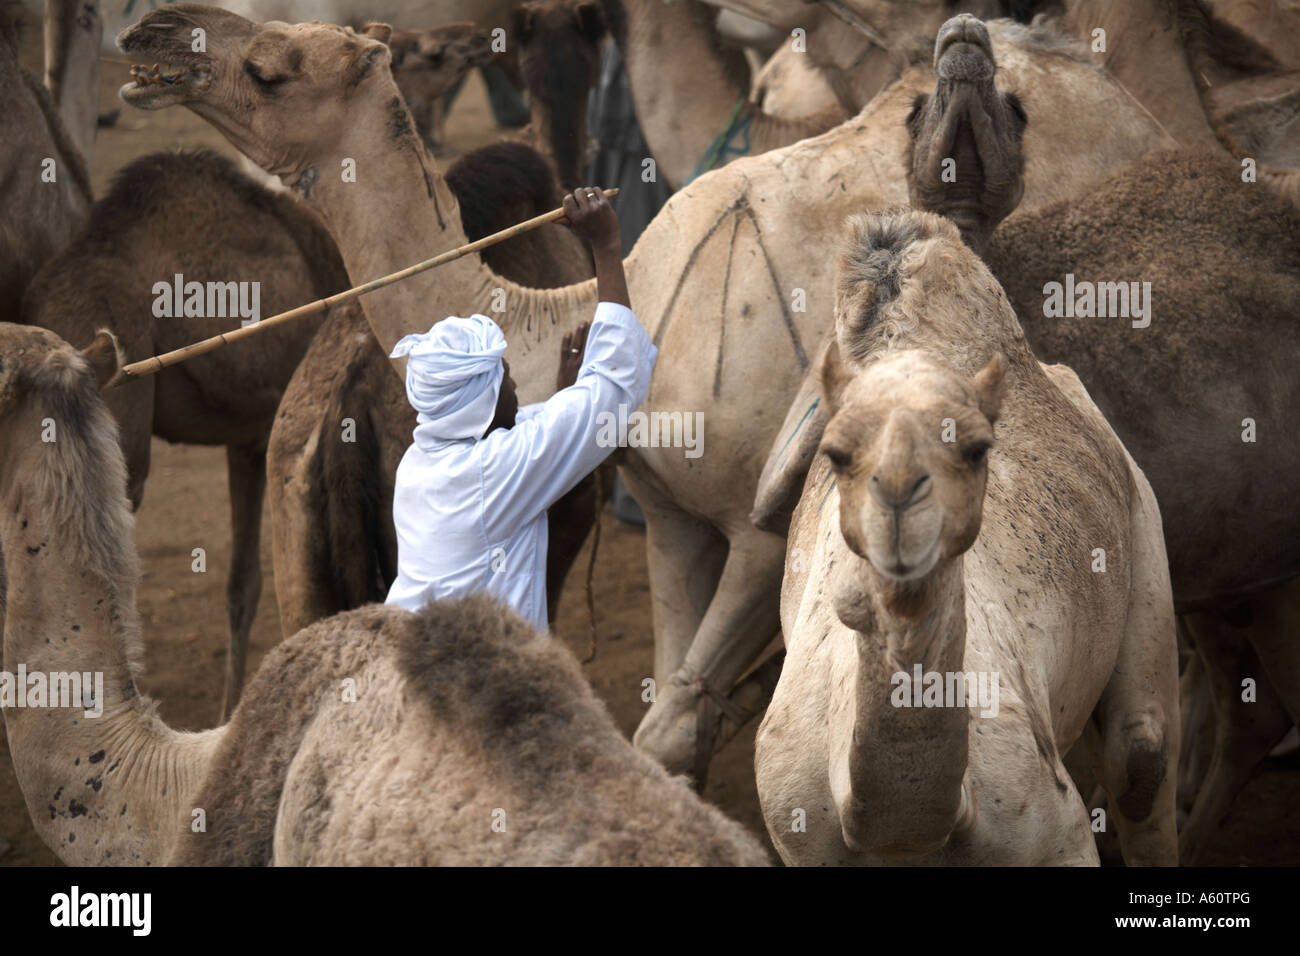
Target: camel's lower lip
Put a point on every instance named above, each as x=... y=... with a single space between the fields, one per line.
x=974 y=39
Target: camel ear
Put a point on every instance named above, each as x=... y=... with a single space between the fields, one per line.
x=591 y=21
x=377 y=31
x=991 y=386
x=104 y=356
x=834 y=376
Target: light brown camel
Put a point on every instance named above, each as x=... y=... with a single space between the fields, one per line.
x=692 y=92
x=192 y=214
x=1211 y=229
x=331 y=500
x=428 y=64
x=454 y=736
x=73 y=32
x=44 y=186
x=948 y=634
x=739 y=355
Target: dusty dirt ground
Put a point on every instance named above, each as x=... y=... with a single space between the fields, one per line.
x=184 y=618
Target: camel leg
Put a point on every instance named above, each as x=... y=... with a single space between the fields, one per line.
x=685 y=557
x=680 y=727
x=1275 y=635
x=1138 y=711
x=1243 y=732
x=1198 y=730
x=246 y=468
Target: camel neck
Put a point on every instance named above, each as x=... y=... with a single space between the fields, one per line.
x=104 y=779
x=1144 y=51
x=414 y=216
x=897 y=775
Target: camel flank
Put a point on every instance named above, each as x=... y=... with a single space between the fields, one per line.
x=757 y=221
x=471 y=738
x=910 y=551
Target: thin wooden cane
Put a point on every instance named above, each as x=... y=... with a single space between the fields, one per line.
x=159 y=362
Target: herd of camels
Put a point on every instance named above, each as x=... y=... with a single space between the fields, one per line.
x=1114 y=532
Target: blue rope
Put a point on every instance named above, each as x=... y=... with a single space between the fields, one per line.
x=721 y=151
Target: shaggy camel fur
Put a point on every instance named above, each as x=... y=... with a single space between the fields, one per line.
x=192 y=213
x=453 y=736
x=40 y=217
x=914 y=551
x=739 y=354
x=331 y=501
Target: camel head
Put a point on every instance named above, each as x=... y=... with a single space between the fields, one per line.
x=908 y=440
x=559 y=39
x=966 y=160
x=284 y=94
x=35 y=360
x=428 y=64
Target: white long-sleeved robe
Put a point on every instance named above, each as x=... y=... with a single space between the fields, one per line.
x=471 y=514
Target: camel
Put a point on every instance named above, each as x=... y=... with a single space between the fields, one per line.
x=1225 y=562
x=46 y=192
x=558 y=46
x=754 y=222
x=194 y=214
x=499 y=752
x=692 y=93
x=331 y=501
x=429 y=63
x=976 y=556
x=73 y=33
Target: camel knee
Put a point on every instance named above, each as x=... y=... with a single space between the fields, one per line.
x=1139 y=765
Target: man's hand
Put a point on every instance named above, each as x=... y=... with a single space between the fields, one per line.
x=571 y=350
x=588 y=213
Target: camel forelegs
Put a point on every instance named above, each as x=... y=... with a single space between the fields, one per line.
x=246 y=469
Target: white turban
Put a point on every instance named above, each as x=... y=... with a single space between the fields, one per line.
x=453 y=375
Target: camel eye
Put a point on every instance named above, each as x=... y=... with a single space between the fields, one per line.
x=976 y=453
x=839 y=460
x=264 y=83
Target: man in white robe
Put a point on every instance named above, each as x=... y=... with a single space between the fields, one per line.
x=472 y=491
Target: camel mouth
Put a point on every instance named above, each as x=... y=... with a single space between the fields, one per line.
x=963 y=49
x=159 y=85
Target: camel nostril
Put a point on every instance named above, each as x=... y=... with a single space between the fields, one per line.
x=919 y=490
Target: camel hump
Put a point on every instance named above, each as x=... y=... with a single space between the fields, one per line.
x=873 y=270
x=500 y=185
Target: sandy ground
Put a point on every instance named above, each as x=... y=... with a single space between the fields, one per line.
x=183 y=613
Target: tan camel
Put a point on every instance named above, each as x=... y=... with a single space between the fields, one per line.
x=73 y=33
x=428 y=64
x=44 y=186
x=1225 y=561
x=692 y=92
x=738 y=356
x=948 y=632
x=499 y=752
x=192 y=214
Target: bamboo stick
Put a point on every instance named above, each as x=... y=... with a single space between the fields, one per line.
x=159 y=362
